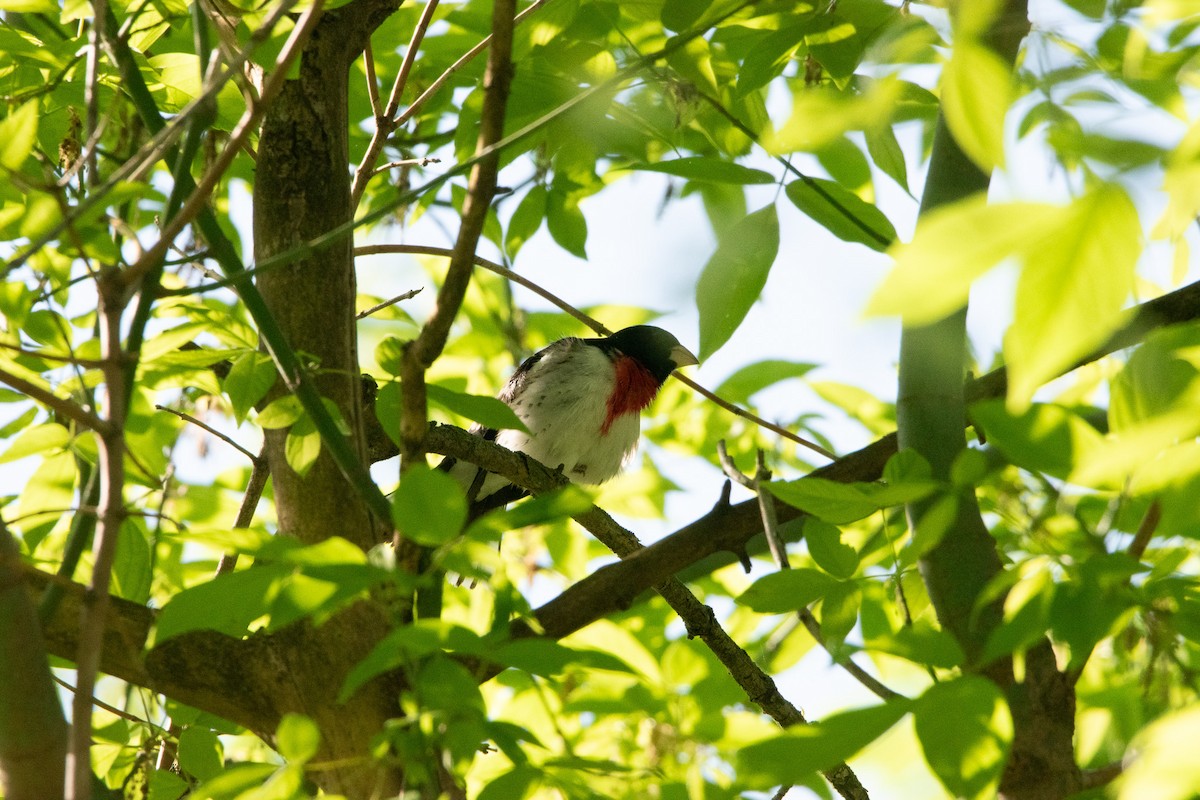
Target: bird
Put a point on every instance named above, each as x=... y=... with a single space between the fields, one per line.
x=581 y=402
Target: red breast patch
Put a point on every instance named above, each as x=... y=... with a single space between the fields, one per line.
x=633 y=389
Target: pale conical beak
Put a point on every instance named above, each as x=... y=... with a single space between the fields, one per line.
x=682 y=357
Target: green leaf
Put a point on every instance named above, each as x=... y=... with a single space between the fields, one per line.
x=842 y=213
x=566 y=223
x=920 y=644
x=228 y=603
x=679 y=15
x=734 y=277
x=976 y=93
x=429 y=506
x=516 y=784
x=954 y=245
x=965 y=730
x=200 y=753
x=281 y=412
x=236 y=781
x=39 y=439
x=787 y=590
x=886 y=153
x=753 y=378
x=297 y=738
x=18 y=131
x=389 y=354
x=525 y=220
x=250 y=378
x=487 y=411
x=1166 y=767
x=707 y=169
x=1044 y=438
x=132 y=569
x=839 y=503
x=795 y=754
x=1071 y=291
x=839 y=612
x=302 y=446
x=826 y=547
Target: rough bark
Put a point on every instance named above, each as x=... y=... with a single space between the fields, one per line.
x=302 y=191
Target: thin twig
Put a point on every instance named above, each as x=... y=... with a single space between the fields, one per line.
x=59 y=405
x=766 y=501
x=410 y=294
x=245 y=515
x=372 y=80
x=384 y=125
x=205 y=426
x=384 y=122
x=111 y=466
x=96 y=701
x=481 y=188
x=247 y=125
x=591 y=322
x=1145 y=531
x=423 y=161
x=766 y=506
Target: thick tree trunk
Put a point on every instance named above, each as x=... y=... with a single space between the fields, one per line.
x=302 y=191
x=930 y=413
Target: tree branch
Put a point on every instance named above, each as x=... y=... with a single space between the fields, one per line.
x=420 y=354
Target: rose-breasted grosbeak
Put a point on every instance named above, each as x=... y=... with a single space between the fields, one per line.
x=580 y=400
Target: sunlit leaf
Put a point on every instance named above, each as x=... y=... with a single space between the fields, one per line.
x=786 y=590
x=1045 y=438
x=965 y=729
x=826 y=547
x=954 y=245
x=976 y=93
x=715 y=170
x=297 y=738
x=1071 y=291
x=753 y=378
x=793 y=755
x=1164 y=767
x=18 y=131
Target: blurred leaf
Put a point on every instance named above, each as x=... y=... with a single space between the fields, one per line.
x=1072 y=289
x=429 y=506
x=976 y=93
x=18 y=130
x=954 y=245
x=1044 y=438
x=715 y=170
x=965 y=730
x=839 y=612
x=753 y=378
x=735 y=276
x=525 y=220
x=227 y=603
x=921 y=644
x=297 y=738
x=200 y=753
x=39 y=439
x=1164 y=768
x=250 y=378
x=798 y=752
x=842 y=213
